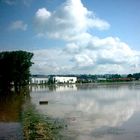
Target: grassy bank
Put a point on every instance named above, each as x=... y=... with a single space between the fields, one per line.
x=36 y=127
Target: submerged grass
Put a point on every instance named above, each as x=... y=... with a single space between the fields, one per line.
x=37 y=127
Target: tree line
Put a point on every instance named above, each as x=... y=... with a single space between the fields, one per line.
x=136 y=76
x=14 y=69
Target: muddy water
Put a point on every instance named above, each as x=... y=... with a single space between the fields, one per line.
x=94 y=111
x=10 y=111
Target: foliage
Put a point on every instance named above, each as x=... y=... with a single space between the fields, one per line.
x=136 y=76
x=38 y=127
x=15 y=69
x=130 y=76
x=51 y=81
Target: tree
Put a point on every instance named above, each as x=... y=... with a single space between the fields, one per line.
x=129 y=76
x=116 y=76
x=136 y=76
x=15 y=69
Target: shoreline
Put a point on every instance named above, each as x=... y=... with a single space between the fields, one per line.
x=89 y=83
x=38 y=127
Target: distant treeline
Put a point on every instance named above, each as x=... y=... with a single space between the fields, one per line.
x=111 y=76
x=89 y=78
x=135 y=75
x=107 y=76
x=14 y=69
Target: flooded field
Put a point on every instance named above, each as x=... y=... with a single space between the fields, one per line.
x=10 y=124
x=93 y=111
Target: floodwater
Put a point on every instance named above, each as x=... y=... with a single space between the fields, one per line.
x=93 y=111
x=10 y=110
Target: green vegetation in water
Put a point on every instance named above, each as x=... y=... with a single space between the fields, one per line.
x=37 y=127
x=14 y=70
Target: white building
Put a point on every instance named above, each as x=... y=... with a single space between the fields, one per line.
x=39 y=80
x=60 y=79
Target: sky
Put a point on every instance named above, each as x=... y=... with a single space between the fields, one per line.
x=74 y=36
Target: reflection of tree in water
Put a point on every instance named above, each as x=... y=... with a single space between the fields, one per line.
x=52 y=88
x=105 y=85
x=11 y=105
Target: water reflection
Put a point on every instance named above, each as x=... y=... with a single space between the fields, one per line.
x=70 y=87
x=11 y=131
x=57 y=88
x=39 y=88
x=10 y=108
x=10 y=112
x=94 y=111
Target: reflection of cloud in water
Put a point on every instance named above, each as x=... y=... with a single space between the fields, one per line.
x=88 y=110
x=105 y=115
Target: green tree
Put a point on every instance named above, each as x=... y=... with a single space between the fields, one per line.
x=130 y=76
x=15 y=69
x=136 y=76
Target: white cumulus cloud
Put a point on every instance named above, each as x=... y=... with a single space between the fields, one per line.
x=83 y=51
x=67 y=21
x=96 y=55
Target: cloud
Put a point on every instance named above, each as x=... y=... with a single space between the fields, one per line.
x=51 y=61
x=83 y=52
x=27 y=2
x=10 y=2
x=18 y=25
x=107 y=55
x=15 y=2
x=67 y=21
x=80 y=60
